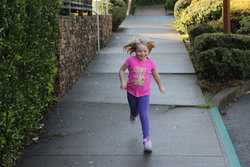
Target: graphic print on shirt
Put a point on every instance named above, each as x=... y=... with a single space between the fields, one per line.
x=140 y=75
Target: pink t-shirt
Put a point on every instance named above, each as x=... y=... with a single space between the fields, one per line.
x=139 y=76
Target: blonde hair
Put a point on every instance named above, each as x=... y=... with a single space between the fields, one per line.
x=131 y=46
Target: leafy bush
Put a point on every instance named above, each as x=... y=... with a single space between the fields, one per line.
x=230 y=41
x=179 y=8
x=221 y=56
x=194 y=31
x=239 y=10
x=202 y=12
x=194 y=12
x=244 y=26
x=216 y=24
x=118 y=9
x=28 y=45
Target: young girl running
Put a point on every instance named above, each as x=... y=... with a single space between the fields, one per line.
x=138 y=84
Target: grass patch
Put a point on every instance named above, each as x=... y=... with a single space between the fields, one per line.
x=171 y=107
x=204 y=106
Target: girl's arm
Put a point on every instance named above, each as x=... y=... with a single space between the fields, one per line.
x=121 y=75
x=158 y=81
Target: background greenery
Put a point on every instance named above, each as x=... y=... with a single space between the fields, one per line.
x=118 y=9
x=216 y=56
x=222 y=57
x=169 y=5
x=28 y=45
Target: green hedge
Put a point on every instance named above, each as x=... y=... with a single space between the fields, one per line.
x=195 y=12
x=202 y=12
x=221 y=56
x=239 y=10
x=118 y=9
x=179 y=8
x=244 y=26
x=28 y=45
x=194 y=31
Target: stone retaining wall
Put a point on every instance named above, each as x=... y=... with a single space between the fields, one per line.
x=78 y=45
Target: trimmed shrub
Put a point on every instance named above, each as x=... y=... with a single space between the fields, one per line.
x=202 y=12
x=28 y=66
x=230 y=41
x=179 y=7
x=118 y=9
x=244 y=26
x=222 y=57
x=216 y=24
x=194 y=31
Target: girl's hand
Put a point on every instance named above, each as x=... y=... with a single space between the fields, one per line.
x=162 y=89
x=123 y=86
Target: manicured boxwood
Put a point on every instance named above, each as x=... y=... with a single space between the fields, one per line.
x=28 y=65
x=230 y=41
x=194 y=31
x=222 y=57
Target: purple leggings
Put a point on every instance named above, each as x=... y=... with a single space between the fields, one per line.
x=140 y=106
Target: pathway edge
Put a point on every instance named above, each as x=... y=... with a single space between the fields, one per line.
x=225 y=138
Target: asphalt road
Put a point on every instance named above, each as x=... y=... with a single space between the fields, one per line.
x=237 y=121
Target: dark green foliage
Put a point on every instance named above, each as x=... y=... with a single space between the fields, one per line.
x=230 y=41
x=28 y=45
x=222 y=57
x=244 y=26
x=194 y=31
x=169 y=5
x=239 y=10
x=118 y=9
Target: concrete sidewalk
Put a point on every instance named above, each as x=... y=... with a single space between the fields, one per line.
x=91 y=124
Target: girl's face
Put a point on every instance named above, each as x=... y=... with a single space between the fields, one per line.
x=142 y=52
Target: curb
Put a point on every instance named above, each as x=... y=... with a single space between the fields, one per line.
x=225 y=138
x=220 y=101
x=226 y=96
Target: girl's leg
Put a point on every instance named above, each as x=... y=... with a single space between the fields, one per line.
x=143 y=107
x=133 y=104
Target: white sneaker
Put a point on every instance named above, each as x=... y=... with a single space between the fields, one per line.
x=133 y=119
x=147 y=145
